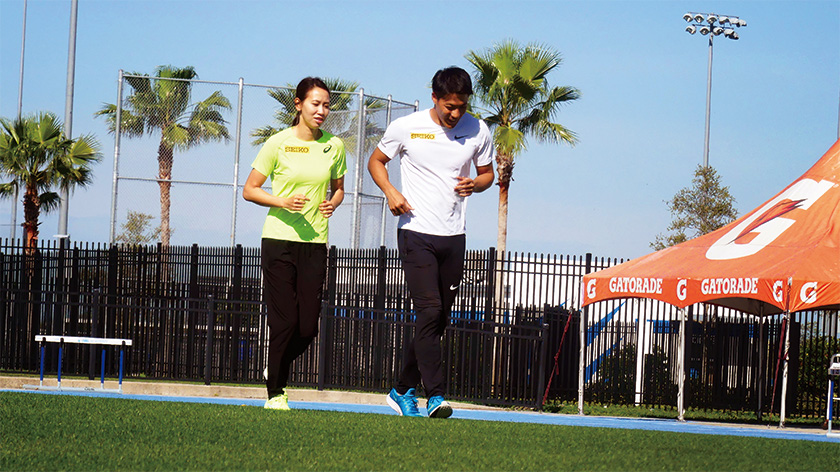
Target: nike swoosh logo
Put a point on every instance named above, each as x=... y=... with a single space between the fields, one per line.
x=453 y=287
x=461 y=137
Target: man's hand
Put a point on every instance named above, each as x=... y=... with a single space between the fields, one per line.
x=465 y=187
x=398 y=204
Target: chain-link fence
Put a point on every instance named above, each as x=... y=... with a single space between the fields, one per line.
x=183 y=150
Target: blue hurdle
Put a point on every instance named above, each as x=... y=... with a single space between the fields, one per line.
x=62 y=340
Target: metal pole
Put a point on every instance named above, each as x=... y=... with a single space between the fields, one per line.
x=357 y=187
x=115 y=178
x=708 y=105
x=641 y=347
x=681 y=366
x=68 y=114
x=783 y=405
x=582 y=358
x=13 y=226
x=22 y=48
x=236 y=164
x=761 y=363
x=385 y=200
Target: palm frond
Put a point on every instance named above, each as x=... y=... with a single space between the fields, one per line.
x=49 y=201
x=512 y=84
x=261 y=135
x=509 y=140
x=8 y=190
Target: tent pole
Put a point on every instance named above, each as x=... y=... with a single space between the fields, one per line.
x=785 y=373
x=582 y=361
x=681 y=366
x=761 y=363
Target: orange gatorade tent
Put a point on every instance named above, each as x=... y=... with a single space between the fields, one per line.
x=782 y=257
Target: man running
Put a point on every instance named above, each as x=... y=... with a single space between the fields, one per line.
x=436 y=148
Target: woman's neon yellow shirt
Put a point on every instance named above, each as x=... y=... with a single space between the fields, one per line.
x=295 y=166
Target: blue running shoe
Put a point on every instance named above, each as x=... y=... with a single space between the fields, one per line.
x=438 y=407
x=405 y=405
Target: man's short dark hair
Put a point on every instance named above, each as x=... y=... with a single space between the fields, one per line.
x=451 y=80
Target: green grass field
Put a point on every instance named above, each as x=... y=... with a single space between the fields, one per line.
x=49 y=432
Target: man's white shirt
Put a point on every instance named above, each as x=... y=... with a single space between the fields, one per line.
x=432 y=157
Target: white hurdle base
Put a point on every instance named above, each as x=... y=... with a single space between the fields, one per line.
x=62 y=340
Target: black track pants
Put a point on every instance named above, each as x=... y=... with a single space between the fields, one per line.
x=293 y=274
x=433 y=266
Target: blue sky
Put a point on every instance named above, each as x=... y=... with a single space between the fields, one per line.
x=640 y=120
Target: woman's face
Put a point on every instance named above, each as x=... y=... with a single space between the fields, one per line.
x=314 y=108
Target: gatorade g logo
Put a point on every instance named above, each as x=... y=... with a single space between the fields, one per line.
x=765 y=225
x=682 y=289
x=590 y=289
x=779 y=291
x=808 y=293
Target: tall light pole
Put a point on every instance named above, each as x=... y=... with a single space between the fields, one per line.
x=711 y=25
x=68 y=115
x=13 y=226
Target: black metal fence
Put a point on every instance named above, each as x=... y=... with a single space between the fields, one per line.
x=195 y=313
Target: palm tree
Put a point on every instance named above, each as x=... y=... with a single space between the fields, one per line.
x=511 y=82
x=164 y=105
x=37 y=157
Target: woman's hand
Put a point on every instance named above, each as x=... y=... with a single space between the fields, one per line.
x=326 y=208
x=296 y=202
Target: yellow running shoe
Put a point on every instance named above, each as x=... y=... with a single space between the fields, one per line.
x=278 y=402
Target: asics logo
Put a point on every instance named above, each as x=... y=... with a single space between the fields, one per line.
x=327 y=149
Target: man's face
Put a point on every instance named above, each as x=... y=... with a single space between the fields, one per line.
x=449 y=109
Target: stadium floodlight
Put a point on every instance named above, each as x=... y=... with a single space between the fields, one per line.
x=711 y=25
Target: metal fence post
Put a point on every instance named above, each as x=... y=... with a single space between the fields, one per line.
x=208 y=343
x=192 y=308
x=116 y=175
x=236 y=163
x=94 y=320
x=357 y=186
x=582 y=364
x=541 y=365
x=327 y=310
x=110 y=312
x=384 y=216
x=323 y=341
x=489 y=295
x=489 y=322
